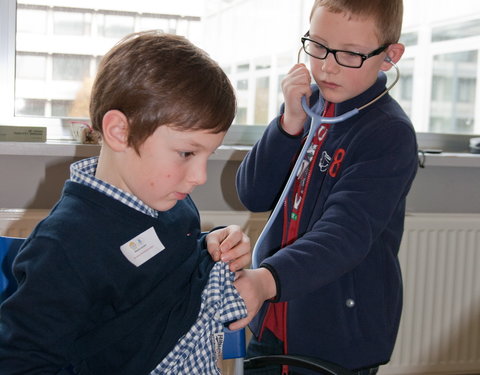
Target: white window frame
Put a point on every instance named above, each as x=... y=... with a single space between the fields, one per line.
x=238 y=134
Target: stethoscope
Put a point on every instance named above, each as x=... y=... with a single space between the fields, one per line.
x=316 y=121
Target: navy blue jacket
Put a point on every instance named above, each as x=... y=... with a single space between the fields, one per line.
x=341 y=277
x=80 y=301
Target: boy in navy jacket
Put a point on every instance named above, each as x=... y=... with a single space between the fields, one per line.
x=332 y=251
x=112 y=279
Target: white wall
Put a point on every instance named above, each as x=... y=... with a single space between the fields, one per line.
x=36 y=182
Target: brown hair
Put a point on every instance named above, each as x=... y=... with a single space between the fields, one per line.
x=388 y=14
x=158 y=79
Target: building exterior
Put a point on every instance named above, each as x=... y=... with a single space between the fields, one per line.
x=58 y=47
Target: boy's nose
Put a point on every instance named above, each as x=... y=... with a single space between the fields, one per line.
x=329 y=63
x=198 y=174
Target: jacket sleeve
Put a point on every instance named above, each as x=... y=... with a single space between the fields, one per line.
x=265 y=169
x=36 y=322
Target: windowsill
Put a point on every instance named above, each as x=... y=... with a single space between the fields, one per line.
x=452 y=159
x=50 y=148
x=225 y=153
x=74 y=149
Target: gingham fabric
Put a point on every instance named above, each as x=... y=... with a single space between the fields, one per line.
x=83 y=172
x=198 y=351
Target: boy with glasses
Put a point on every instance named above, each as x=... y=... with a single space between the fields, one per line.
x=332 y=252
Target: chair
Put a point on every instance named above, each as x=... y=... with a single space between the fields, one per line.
x=234 y=348
x=8 y=250
x=234 y=342
x=314 y=364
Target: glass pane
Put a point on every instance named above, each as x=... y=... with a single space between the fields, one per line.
x=243 y=68
x=241 y=116
x=263 y=63
x=33 y=107
x=71 y=23
x=113 y=26
x=153 y=23
x=70 y=68
x=403 y=89
x=31 y=66
x=242 y=101
x=409 y=39
x=456 y=31
x=31 y=20
x=454 y=82
x=61 y=108
x=280 y=98
x=242 y=85
x=261 y=101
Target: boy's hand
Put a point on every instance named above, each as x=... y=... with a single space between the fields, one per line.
x=255 y=286
x=295 y=85
x=230 y=245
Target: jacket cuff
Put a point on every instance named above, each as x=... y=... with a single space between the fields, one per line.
x=280 y=127
x=277 y=282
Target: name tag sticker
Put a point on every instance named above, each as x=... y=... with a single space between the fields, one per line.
x=142 y=247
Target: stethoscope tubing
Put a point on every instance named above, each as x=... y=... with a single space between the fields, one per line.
x=316 y=121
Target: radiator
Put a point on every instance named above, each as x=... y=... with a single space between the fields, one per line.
x=440 y=326
x=19 y=222
x=440 y=260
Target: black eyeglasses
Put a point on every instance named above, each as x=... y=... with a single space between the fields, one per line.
x=348 y=59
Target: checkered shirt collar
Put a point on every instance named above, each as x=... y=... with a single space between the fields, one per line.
x=83 y=172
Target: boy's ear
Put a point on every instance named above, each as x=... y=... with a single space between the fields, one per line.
x=394 y=53
x=115 y=130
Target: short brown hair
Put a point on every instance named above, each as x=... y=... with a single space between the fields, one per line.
x=388 y=14
x=158 y=79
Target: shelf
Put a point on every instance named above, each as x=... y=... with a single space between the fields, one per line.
x=73 y=149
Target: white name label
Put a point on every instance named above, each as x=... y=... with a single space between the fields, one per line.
x=142 y=247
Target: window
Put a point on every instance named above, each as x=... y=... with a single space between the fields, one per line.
x=71 y=23
x=115 y=26
x=403 y=90
x=152 y=22
x=62 y=108
x=456 y=31
x=31 y=66
x=453 y=92
x=49 y=53
x=32 y=20
x=242 y=101
x=30 y=107
x=70 y=67
x=261 y=100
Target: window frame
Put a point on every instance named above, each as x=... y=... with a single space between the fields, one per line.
x=243 y=135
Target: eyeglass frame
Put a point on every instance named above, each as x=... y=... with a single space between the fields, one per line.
x=364 y=57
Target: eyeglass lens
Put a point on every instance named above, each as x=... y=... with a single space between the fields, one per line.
x=342 y=57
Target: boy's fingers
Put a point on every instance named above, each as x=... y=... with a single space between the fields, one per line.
x=239 y=324
x=240 y=263
x=230 y=241
x=215 y=254
x=213 y=247
x=233 y=266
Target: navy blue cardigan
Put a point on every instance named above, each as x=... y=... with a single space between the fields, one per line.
x=81 y=301
x=341 y=278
